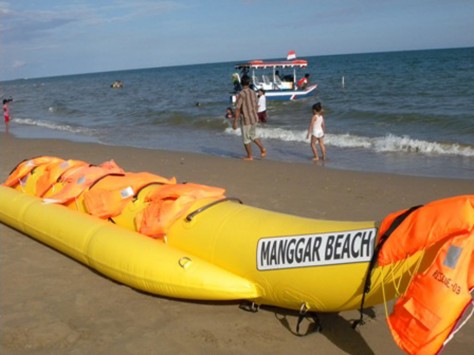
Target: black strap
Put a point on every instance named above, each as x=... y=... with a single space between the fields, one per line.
x=249 y=306
x=368 y=281
x=191 y=215
x=317 y=323
x=91 y=186
x=139 y=190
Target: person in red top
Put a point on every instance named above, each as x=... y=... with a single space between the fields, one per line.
x=303 y=82
x=6 y=113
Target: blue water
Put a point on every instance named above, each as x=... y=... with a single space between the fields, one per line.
x=408 y=113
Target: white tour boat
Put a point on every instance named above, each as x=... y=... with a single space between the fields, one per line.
x=279 y=79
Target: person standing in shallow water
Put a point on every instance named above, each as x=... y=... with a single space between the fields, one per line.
x=246 y=112
x=316 y=130
x=262 y=106
x=229 y=113
x=6 y=111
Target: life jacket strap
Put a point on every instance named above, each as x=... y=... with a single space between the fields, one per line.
x=368 y=282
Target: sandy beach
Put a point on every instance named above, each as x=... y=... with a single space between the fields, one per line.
x=51 y=304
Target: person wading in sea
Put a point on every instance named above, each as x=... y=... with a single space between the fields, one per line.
x=246 y=112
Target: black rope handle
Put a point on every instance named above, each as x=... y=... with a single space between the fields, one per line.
x=190 y=216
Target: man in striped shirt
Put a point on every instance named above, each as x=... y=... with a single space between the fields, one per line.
x=246 y=111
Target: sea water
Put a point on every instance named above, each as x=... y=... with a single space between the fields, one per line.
x=408 y=113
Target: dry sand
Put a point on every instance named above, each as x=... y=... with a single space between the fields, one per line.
x=51 y=304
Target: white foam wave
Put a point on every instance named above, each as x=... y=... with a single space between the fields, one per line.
x=392 y=143
x=389 y=143
x=50 y=125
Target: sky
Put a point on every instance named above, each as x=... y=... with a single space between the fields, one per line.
x=42 y=38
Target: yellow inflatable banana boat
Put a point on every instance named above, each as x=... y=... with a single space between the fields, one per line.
x=191 y=241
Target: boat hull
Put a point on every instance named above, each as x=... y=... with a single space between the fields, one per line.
x=285 y=95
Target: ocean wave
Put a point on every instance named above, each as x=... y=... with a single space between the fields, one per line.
x=52 y=126
x=392 y=143
x=384 y=144
x=203 y=122
x=59 y=108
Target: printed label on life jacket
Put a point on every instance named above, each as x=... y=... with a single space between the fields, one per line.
x=316 y=249
x=127 y=192
x=452 y=256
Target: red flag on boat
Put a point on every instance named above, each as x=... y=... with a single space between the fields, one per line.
x=291 y=55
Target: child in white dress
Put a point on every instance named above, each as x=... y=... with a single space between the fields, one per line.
x=316 y=130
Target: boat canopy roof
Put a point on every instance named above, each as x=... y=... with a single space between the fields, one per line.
x=260 y=64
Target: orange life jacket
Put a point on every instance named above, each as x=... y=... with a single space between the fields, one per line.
x=52 y=172
x=22 y=170
x=170 y=202
x=75 y=181
x=108 y=197
x=426 y=226
x=426 y=314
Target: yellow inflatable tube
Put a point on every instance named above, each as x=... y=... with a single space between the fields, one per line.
x=217 y=249
x=131 y=258
x=296 y=262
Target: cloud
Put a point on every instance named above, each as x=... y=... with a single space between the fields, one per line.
x=19 y=25
x=19 y=64
x=26 y=25
x=126 y=10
